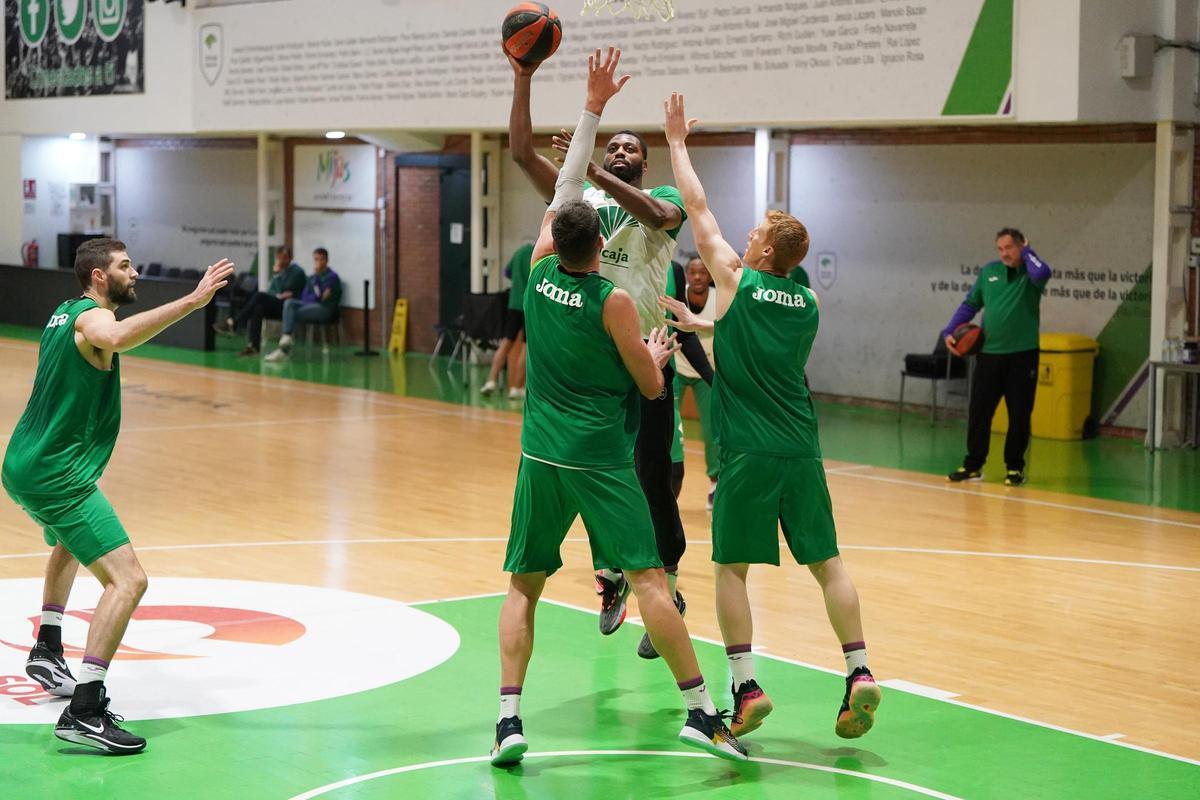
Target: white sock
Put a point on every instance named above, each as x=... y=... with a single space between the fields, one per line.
x=52 y=617
x=856 y=655
x=741 y=664
x=697 y=697
x=611 y=574
x=510 y=702
x=93 y=670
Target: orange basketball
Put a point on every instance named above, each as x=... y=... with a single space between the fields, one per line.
x=531 y=32
x=968 y=339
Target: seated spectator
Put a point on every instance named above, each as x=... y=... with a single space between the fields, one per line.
x=319 y=303
x=287 y=281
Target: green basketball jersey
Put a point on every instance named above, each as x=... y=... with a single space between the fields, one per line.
x=519 y=264
x=63 y=441
x=581 y=407
x=761 y=404
x=636 y=258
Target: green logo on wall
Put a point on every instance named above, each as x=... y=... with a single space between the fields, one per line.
x=35 y=20
x=110 y=18
x=71 y=15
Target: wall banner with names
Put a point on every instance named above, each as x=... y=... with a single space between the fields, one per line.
x=68 y=48
x=406 y=64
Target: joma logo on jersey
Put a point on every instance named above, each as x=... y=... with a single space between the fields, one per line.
x=57 y=319
x=781 y=298
x=618 y=256
x=559 y=295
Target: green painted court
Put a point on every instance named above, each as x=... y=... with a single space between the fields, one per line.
x=601 y=724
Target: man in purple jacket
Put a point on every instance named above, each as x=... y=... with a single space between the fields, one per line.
x=319 y=303
x=1011 y=290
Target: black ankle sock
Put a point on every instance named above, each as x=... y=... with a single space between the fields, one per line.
x=87 y=696
x=51 y=636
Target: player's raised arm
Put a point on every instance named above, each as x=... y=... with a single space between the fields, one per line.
x=643 y=359
x=602 y=85
x=721 y=260
x=540 y=170
x=100 y=328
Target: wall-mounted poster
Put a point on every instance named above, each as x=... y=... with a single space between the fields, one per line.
x=66 y=48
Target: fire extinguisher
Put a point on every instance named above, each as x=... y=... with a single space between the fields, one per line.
x=29 y=253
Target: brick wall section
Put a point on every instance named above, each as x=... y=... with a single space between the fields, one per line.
x=417 y=249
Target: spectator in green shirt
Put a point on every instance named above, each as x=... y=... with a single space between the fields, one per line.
x=1010 y=293
x=287 y=280
x=512 y=346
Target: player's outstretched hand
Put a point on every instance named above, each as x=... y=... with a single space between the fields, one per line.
x=520 y=68
x=685 y=319
x=561 y=142
x=677 y=126
x=215 y=278
x=602 y=82
x=662 y=346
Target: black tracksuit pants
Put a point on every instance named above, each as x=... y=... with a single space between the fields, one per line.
x=652 y=458
x=1014 y=377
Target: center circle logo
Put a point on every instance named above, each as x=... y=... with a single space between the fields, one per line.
x=197 y=646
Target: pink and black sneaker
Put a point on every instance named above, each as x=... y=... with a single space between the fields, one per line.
x=750 y=707
x=857 y=714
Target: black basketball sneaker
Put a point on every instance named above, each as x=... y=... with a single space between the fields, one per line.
x=95 y=726
x=709 y=733
x=510 y=744
x=50 y=670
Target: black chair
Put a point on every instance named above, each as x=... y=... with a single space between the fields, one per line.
x=940 y=365
x=190 y=274
x=154 y=270
x=172 y=272
x=482 y=325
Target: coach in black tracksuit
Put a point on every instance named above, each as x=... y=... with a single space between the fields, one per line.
x=1010 y=290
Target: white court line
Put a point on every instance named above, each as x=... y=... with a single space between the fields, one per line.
x=983 y=554
x=273 y=383
x=851 y=468
x=383 y=773
x=455 y=599
x=580 y=540
x=949 y=700
x=509 y=418
x=1026 y=500
x=266 y=422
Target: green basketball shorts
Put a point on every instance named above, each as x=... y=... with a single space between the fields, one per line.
x=85 y=525
x=758 y=494
x=546 y=502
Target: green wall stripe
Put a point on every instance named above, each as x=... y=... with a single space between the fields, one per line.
x=1124 y=344
x=986 y=69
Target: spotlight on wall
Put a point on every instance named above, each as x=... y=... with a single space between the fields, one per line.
x=335 y=135
x=77 y=136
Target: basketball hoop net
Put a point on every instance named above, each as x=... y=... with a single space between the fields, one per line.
x=642 y=9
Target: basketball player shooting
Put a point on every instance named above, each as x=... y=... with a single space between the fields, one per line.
x=639 y=228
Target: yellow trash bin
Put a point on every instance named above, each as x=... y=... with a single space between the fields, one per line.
x=1064 y=392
